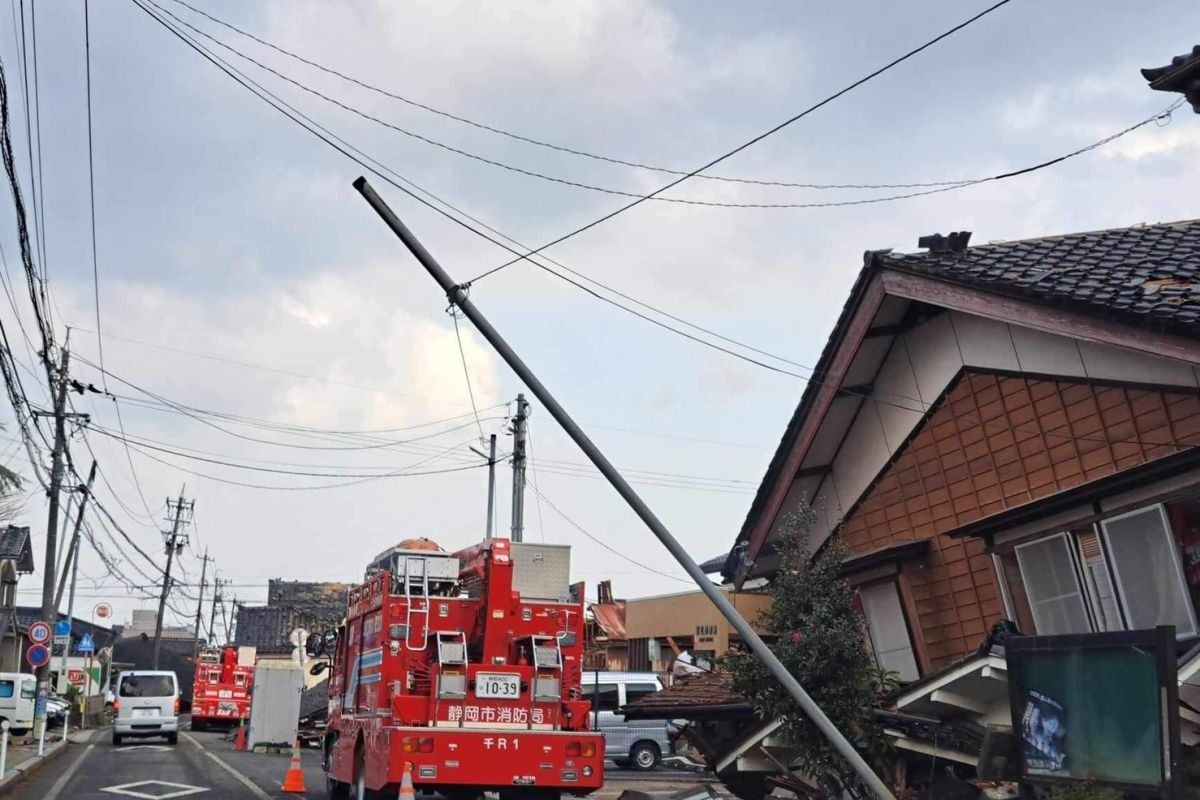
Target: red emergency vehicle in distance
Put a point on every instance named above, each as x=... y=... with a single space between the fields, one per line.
x=221 y=690
x=465 y=669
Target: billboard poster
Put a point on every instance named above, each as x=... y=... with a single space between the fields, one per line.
x=1096 y=708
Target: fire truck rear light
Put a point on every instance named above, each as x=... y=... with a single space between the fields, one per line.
x=425 y=745
x=408 y=744
x=587 y=749
x=573 y=749
x=587 y=772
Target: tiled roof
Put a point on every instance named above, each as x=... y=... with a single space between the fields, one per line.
x=15 y=546
x=1144 y=274
x=703 y=695
x=305 y=594
x=268 y=629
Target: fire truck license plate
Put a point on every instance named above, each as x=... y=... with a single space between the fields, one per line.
x=497 y=684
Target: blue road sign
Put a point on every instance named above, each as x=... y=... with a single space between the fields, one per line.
x=37 y=656
x=86 y=645
x=62 y=627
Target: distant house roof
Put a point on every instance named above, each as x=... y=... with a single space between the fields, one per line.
x=611 y=619
x=306 y=594
x=1147 y=274
x=15 y=546
x=704 y=695
x=269 y=629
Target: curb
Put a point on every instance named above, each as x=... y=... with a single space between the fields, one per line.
x=34 y=764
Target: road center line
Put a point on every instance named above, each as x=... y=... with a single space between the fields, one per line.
x=249 y=784
x=61 y=783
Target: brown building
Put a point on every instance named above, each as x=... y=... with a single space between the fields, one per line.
x=657 y=628
x=1004 y=431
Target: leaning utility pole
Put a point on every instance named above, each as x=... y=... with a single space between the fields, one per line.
x=200 y=605
x=457 y=295
x=73 y=562
x=491 y=504
x=520 y=429
x=174 y=542
x=49 y=608
x=212 y=615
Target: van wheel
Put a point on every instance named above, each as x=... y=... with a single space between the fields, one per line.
x=645 y=755
x=116 y=740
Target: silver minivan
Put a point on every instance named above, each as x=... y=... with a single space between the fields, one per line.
x=147 y=704
x=639 y=743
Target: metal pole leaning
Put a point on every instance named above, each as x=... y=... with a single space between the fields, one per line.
x=458 y=295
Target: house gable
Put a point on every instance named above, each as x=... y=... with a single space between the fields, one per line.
x=995 y=441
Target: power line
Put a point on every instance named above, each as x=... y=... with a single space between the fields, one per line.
x=745 y=145
x=87 y=49
x=541 y=143
x=466 y=372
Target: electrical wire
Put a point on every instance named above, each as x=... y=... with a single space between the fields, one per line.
x=541 y=143
x=87 y=49
x=466 y=372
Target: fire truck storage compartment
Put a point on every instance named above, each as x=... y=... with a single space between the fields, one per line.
x=275 y=707
x=542 y=571
x=438 y=567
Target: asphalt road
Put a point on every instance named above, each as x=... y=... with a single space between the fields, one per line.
x=203 y=765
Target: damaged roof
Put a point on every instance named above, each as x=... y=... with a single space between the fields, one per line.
x=611 y=619
x=269 y=629
x=1147 y=274
x=15 y=546
x=703 y=695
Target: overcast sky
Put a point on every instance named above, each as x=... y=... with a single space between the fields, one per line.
x=226 y=233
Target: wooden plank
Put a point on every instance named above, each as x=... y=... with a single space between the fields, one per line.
x=963 y=702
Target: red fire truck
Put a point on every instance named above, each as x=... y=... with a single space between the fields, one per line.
x=464 y=669
x=221 y=690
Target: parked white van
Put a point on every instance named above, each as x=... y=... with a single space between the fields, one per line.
x=147 y=704
x=640 y=744
x=18 y=692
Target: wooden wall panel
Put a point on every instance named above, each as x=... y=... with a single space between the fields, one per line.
x=998 y=441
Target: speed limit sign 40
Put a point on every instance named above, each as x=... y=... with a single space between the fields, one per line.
x=39 y=633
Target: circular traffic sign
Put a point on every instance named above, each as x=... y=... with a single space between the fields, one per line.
x=37 y=656
x=102 y=610
x=39 y=633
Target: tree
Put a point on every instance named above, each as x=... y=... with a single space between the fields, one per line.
x=816 y=632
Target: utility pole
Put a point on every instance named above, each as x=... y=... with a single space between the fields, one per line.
x=174 y=542
x=212 y=615
x=520 y=428
x=457 y=295
x=72 y=551
x=49 y=609
x=491 y=504
x=200 y=604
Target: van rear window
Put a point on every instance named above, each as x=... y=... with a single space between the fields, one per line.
x=147 y=686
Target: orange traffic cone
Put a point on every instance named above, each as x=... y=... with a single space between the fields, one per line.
x=293 y=782
x=406 y=787
x=239 y=738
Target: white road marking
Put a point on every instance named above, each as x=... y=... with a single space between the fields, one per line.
x=156 y=747
x=249 y=784
x=61 y=783
x=181 y=790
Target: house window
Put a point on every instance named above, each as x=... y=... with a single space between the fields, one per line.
x=1148 y=572
x=887 y=630
x=1052 y=585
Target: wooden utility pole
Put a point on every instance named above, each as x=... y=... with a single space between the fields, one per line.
x=200 y=604
x=520 y=429
x=175 y=540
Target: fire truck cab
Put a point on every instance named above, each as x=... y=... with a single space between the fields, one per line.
x=463 y=669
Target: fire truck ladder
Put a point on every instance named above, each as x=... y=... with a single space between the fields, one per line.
x=452 y=684
x=412 y=582
x=547 y=672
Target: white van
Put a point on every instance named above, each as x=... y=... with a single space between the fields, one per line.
x=640 y=743
x=147 y=704
x=18 y=692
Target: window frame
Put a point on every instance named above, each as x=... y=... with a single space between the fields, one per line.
x=908 y=631
x=1172 y=548
x=1071 y=544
